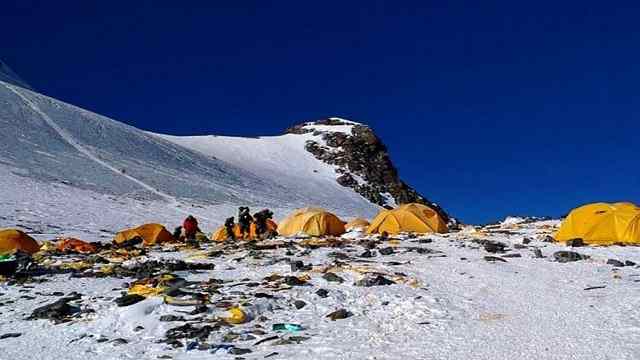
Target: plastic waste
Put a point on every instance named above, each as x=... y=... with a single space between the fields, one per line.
x=236 y=316
x=287 y=327
x=221 y=348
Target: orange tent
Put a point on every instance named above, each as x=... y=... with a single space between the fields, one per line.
x=12 y=240
x=151 y=234
x=75 y=245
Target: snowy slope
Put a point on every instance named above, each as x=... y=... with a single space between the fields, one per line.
x=45 y=142
x=284 y=160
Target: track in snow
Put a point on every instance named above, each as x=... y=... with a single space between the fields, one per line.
x=83 y=150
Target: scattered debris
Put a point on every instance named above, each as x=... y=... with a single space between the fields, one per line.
x=568 y=256
x=339 y=314
x=373 y=280
x=615 y=263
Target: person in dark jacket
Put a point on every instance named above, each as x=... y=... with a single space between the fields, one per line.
x=229 y=224
x=244 y=220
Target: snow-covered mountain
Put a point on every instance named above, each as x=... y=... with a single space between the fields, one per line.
x=48 y=147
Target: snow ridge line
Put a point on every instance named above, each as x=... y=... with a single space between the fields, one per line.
x=83 y=150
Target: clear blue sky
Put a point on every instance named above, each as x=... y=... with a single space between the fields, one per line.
x=489 y=108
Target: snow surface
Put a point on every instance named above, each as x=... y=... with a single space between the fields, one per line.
x=447 y=304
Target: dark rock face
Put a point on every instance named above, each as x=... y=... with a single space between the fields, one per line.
x=364 y=155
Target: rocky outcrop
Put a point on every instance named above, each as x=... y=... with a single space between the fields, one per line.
x=362 y=162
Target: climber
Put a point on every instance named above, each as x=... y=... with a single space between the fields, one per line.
x=244 y=220
x=189 y=228
x=265 y=227
x=229 y=225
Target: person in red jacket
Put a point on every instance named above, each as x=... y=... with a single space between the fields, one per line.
x=190 y=228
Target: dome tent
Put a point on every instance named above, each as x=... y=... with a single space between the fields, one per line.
x=602 y=224
x=414 y=218
x=12 y=240
x=311 y=221
x=151 y=234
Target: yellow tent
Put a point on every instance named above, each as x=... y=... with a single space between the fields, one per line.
x=151 y=234
x=416 y=218
x=357 y=223
x=602 y=224
x=311 y=221
x=12 y=240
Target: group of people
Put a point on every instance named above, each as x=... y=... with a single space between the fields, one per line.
x=258 y=226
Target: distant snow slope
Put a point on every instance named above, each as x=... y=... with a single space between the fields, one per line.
x=45 y=141
x=284 y=160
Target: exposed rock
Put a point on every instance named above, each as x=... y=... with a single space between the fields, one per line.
x=331 y=277
x=629 y=263
x=299 y=304
x=57 y=311
x=575 y=242
x=322 y=293
x=615 y=263
x=537 y=253
x=370 y=280
x=130 y=299
x=386 y=251
x=10 y=335
x=339 y=314
x=568 y=256
x=494 y=247
x=494 y=259
x=362 y=154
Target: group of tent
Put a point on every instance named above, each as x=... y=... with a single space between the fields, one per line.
x=597 y=224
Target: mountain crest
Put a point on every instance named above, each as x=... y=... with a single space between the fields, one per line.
x=361 y=161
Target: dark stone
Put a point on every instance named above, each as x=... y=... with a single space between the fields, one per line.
x=378 y=280
x=367 y=254
x=297 y=266
x=239 y=351
x=293 y=281
x=170 y=318
x=10 y=335
x=494 y=247
x=339 y=314
x=575 y=242
x=190 y=332
x=331 y=277
x=615 y=263
x=512 y=255
x=494 y=259
x=519 y=246
x=129 y=299
x=386 y=251
x=200 y=309
x=568 y=256
x=526 y=241
x=629 y=263
x=322 y=293
x=537 y=253
x=57 y=311
x=299 y=304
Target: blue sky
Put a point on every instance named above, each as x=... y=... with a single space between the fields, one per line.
x=489 y=108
